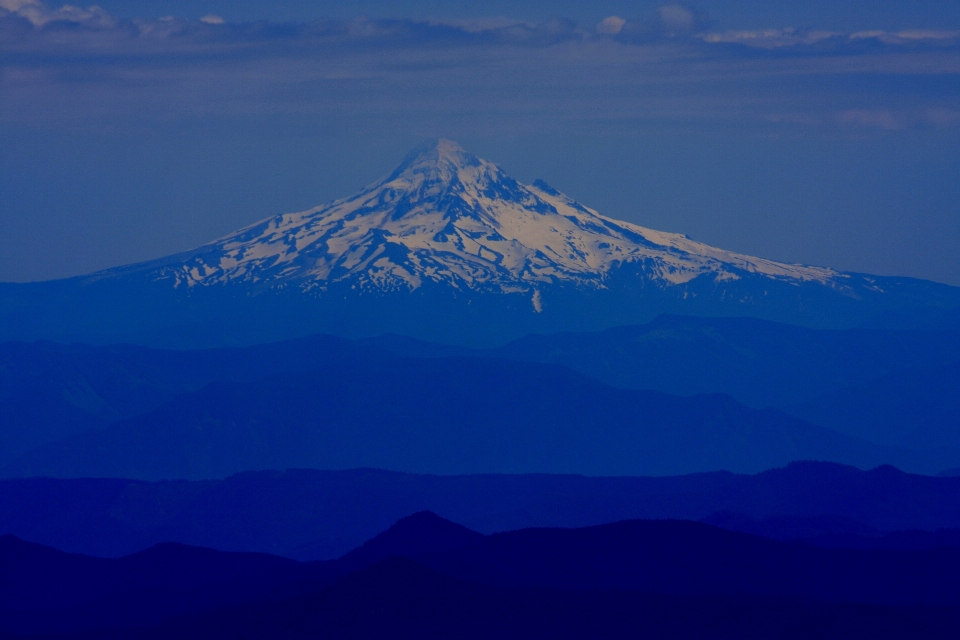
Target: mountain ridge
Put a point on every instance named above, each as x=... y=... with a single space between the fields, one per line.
x=445 y=415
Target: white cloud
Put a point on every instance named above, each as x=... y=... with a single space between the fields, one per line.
x=611 y=25
x=769 y=38
x=478 y=25
x=619 y=69
x=907 y=36
x=39 y=14
x=15 y=5
x=927 y=34
x=862 y=35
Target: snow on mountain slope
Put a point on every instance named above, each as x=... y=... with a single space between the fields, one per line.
x=446 y=216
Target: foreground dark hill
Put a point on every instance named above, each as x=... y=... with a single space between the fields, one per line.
x=427 y=577
x=45 y=591
x=669 y=556
x=400 y=599
x=323 y=514
x=448 y=416
x=447 y=247
x=686 y=558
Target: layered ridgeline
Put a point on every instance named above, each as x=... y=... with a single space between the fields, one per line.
x=310 y=514
x=426 y=577
x=529 y=406
x=450 y=247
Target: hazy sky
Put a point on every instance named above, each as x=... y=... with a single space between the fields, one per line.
x=818 y=132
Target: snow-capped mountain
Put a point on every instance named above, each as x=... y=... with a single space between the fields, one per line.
x=446 y=216
x=446 y=248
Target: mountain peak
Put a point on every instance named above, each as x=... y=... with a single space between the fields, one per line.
x=446 y=150
x=445 y=216
x=439 y=159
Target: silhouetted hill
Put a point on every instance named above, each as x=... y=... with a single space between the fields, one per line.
x=448 y=416
x=688 y=558
x=421 y=534
x=662 y=579
x=397 y=598
x=43 y=590
x=323 y=514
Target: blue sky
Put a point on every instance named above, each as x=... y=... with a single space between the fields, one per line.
x=818 y=132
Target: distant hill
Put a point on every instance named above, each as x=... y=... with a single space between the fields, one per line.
x=833 y=531
x=49 y=391
x=759 y=363
x=309 y=514
x=916 y=406
x=447 y=416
